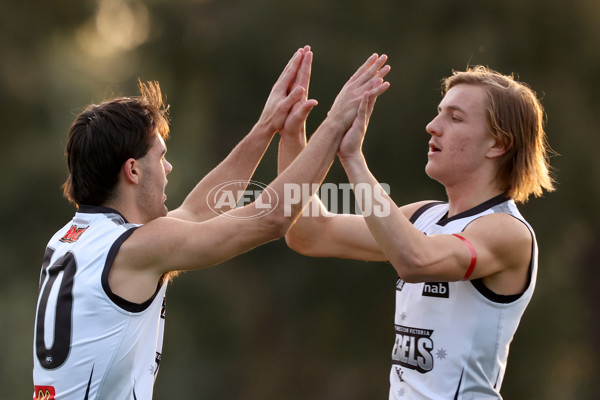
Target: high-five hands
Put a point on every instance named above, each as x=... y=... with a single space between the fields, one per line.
x=367 y=82
x=351 y=144
x=288 y=98
x=295 y=124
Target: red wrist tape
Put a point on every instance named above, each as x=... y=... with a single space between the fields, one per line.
x=473 y=257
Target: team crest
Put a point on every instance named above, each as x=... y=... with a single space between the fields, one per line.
x=73 y=234
x=44 y=393
x=412 y=349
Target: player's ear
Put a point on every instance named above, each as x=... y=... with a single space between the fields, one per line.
x=130 y=171
x=499 y=147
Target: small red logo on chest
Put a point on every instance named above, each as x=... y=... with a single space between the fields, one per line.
x=73 y=234
x=44 y=393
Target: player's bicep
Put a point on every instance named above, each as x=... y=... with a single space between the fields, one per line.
x=339 y=235
x=490 y=246
x=348 y=236
x=333 y=235
x=168 y=244
x=503 y=245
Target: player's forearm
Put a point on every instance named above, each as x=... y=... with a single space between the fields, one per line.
x=238 y=166
x=305 y=231
x=308 y=168
x=403 y=244
x=289 y=147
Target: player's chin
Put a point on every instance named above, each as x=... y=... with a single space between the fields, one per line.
x=428 y=169
x=433 y=172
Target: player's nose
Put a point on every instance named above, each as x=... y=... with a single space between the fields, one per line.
x=433 y=127
x=168 y=167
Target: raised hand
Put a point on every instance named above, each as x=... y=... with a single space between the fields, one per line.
x=286 y=92
x=295 y=123
x=368 y=79
x=351 y=144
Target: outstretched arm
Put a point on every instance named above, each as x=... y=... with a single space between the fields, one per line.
x=242 y=161
x=498 y=245
x=318 y=232
x=167 y=244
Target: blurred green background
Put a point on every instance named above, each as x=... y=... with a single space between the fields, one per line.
x=272 y=324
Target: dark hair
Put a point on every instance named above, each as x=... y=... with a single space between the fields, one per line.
x=106 y=135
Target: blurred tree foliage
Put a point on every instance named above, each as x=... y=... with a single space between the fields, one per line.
x=272 y=324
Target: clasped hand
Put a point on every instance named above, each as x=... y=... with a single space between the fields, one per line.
x=288 y=105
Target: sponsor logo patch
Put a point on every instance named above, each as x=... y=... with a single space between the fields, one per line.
x=399 y=284
x=44 y=392
x=73 y=234
x=436 y=289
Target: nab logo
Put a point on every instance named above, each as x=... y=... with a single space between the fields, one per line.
x=73 y=234
x=436 y=289
x=44 y=393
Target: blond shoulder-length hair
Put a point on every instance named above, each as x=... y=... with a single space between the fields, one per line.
x=515 y=119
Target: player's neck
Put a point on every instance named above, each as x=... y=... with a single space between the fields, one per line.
x=469 y=190
x=127 y=210
x=462 y=200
